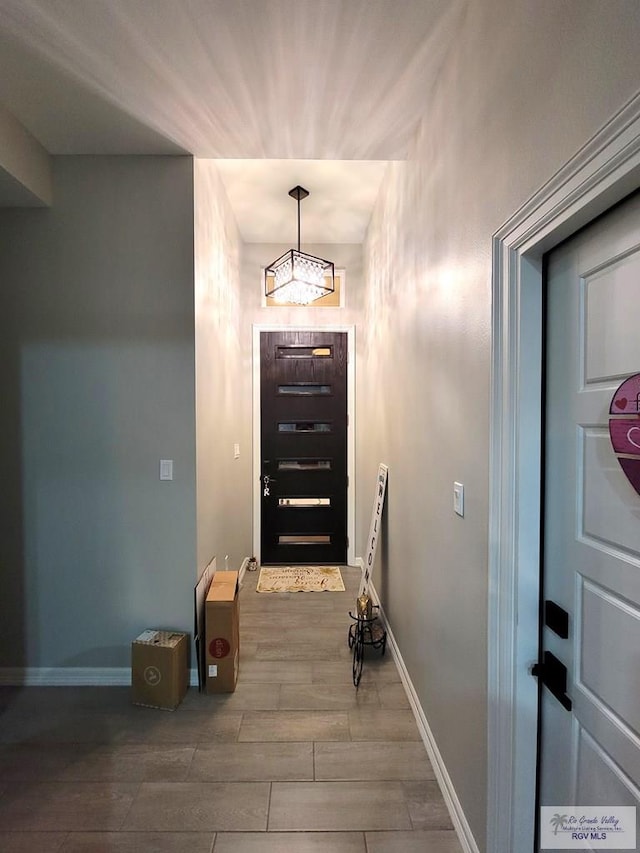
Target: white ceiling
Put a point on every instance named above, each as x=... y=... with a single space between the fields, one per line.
x=284 y=90
x=341 y=196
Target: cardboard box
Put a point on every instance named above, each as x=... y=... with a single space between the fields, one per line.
x=159 y=669
x=222 y=633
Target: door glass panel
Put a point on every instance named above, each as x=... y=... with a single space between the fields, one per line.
x=306 y=389
x=303 y=352
x=304 y=502
x=303 y=539
x=304 y=426
x=304 y=464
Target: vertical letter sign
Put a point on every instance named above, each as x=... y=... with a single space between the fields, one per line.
x=374 y=530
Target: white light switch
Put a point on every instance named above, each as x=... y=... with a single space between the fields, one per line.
x=166 y=469
x=458 y=498
x=236 y=451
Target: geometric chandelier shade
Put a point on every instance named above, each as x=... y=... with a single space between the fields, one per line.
x=296 y=277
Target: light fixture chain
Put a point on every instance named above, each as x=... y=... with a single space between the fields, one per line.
x=297 y=278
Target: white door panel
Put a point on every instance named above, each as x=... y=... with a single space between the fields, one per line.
x=612 y=674
x=591 y=754
x=605 y=517
x=612 y=305
x=607 y=731
x=558 y=774
x=600 y=779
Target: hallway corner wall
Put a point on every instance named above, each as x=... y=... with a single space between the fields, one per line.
x=523 y=87
x=223 y=378
x=96 y=370
x=25 y=165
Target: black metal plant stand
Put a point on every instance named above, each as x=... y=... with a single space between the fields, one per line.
x=365 y=632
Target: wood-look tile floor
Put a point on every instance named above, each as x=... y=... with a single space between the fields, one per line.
x=295 y=761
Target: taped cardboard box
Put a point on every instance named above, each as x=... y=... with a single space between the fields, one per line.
x=159 y=669
x=222 y=633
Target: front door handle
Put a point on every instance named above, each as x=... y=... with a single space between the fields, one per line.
x=266 y=480
x=553 y=674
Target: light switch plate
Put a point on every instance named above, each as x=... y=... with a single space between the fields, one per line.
x=458 y=498
x=236 y=451
x=166 y=469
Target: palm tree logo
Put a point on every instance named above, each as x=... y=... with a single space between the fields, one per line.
x=557 y=821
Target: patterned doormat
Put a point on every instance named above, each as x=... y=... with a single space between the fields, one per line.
x=301 y=579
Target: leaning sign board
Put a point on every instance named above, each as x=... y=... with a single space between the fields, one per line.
x=200 y=595
x=374 y=529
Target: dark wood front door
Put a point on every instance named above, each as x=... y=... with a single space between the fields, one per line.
x=303 y=390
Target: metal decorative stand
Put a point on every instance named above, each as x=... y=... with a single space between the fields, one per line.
x=365 y=631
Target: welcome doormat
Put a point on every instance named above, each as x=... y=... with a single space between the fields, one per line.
x=301 y=579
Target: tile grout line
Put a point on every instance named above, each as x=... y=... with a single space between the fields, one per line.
x=364 y=838
x=239 y=729
x=133 y=799
x=269 y=806
x=188 y=768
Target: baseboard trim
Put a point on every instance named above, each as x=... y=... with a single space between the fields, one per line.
x=243 y=569
x=458 y=818
x=72 y=676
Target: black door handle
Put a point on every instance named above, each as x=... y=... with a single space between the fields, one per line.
x=553 y=674
x=264 y=477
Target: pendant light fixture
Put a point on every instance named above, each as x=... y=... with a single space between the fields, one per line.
x=297 y=277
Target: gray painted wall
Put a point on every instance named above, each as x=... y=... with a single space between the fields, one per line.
x=97 y=378
x=524 y=87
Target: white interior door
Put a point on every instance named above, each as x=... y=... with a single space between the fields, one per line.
x=590 y=754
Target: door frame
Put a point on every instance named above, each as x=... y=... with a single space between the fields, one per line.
x=602 y=173
x=257 y=328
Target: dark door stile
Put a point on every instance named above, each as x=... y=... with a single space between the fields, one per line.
x=303 y=437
